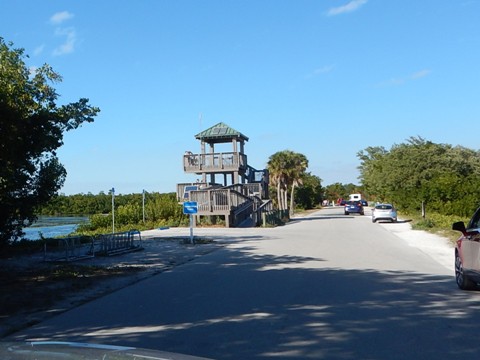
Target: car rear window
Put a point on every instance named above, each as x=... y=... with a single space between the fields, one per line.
x=383 y=207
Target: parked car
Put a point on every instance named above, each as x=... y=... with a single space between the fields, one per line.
x=467 y=253
x=384 y=212
x=364 y=202
x=341 y=202
x=353 y=207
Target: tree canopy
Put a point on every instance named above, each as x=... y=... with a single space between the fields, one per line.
x=31 y=127
x=286 y=169
x=337 y=190
x=310 y=194
x=445 y=178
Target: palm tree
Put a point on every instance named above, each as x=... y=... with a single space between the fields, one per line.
x=276 y=167
x=298 y=164
x=286 y=169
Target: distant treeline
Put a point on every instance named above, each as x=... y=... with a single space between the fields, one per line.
x=159 y=210
x=90 y=204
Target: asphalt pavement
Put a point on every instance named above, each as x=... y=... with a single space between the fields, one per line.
x=325 y=286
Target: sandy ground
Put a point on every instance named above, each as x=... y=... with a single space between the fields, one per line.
x=32 y=290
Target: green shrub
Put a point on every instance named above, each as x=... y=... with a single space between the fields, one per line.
x=424 y=224
x=435 y=223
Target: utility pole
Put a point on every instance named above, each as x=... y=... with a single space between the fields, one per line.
x=143 y=205
x=113 y=210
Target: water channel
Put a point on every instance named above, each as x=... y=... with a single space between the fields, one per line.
x=53 y=226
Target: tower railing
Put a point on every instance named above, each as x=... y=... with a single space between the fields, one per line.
x=214 y=162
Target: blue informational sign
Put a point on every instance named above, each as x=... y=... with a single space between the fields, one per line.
x=190 y=207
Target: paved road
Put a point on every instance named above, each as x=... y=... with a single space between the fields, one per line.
x=327 y=286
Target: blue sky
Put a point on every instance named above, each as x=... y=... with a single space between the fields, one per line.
x=325 y=78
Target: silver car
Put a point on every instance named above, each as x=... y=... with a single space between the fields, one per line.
x=384 y=212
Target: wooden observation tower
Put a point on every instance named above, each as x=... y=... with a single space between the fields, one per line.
x=242 y=193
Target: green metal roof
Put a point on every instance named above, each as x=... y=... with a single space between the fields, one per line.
x=220 y=133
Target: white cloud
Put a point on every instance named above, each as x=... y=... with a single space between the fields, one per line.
x=38 y=50
x=322 y=70
x=69 y=45
x=395 y=81
x=69 y=33
x=420 y=74
x=403 y=80
x=60 y=17
x=349 y=7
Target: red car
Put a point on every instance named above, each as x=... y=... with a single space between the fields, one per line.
x=467 y=253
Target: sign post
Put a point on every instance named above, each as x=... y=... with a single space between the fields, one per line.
x=113 y=210
x=190 y=208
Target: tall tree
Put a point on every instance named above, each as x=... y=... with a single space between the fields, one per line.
x=276 y=167
x=31 y=128
x=372 y=172
x=298 y=166
x=286 y=170
x=445 y=178
x=310 y=194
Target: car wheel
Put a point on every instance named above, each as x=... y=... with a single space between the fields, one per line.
x=362 y=213
x=347 y=213
x=463 y=282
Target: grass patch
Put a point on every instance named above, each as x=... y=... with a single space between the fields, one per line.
x=436 y=224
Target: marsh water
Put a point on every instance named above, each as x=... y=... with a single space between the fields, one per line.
x=53 y=226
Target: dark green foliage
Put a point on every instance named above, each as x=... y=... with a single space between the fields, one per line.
x=309 y=195
x=86 y=204
x=445 y=178
x=32 y=127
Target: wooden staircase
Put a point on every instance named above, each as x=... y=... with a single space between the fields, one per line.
x=236 y=203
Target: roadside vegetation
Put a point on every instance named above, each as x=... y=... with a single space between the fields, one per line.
x=32 y=127
x=435 y=223
x=423 y=176
x=432 y=184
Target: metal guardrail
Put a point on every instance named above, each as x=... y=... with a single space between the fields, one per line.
x=274 y=217
x=70 y=248
x=116 y=243
x=75 y=248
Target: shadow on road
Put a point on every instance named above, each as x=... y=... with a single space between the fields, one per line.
x=281 y=307
x=323 y=217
